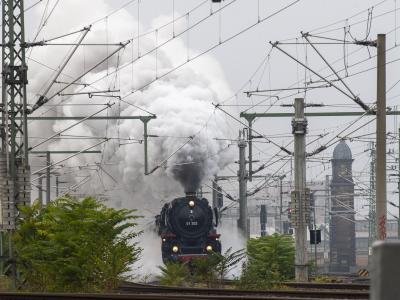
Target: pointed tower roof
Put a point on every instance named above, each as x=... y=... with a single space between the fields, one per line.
x=342 y=151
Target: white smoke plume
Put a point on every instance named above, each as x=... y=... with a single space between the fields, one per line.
x=181 y=101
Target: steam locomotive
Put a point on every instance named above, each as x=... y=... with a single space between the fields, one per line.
x=187 y=227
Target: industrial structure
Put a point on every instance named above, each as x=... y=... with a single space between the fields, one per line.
x=342 y=225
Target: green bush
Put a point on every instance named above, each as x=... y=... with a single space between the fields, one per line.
x=75 y=245
x=174 y=274
x=210 y=272
x=270 y=260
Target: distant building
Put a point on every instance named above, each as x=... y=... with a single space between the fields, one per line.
x=363 y=239
x=342 y=225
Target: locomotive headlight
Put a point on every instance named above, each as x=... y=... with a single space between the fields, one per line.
x=164 y=240
x=175 y=249
x=209 y=248
x=191 y=203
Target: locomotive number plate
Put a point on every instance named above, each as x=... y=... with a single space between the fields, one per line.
x=191 y=223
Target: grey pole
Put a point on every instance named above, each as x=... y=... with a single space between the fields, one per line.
x=145 y=140
x=326 y=221
x=381 y=206
x=40 y=189
x=315 y=234
x=214 y=192
x=48 y=188
x=299 y=124
x=280 y=203
x=250 y=138
x=398 y=189
x=57 y=186
x=372 y=202
x=243 y=214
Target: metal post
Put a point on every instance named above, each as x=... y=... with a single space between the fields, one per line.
x=299 y=124
x=48 y=188
x=263 y=219
x=250 y=138
x=145 y=120
x=280 y=204
x=243 y=214
x=40 y=189
x=146 y=167
x=14 y=131
x=372 y=203
x=381 y=206
x=57 y=186
x=12 y=259
x=214 y=192
x=326 y=221
x=315 y=234
x=398 y=189
x=1 y=253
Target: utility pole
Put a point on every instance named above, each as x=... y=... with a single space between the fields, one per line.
x=398 y=188
x=299 y=129
x=263 y=219
x=40 y=189
x=313 y=203
x=326 y=221
x=48 y=187
x=214 y=192
x=13 y=127
x=49 y=165
x=250 y=138
x=280 y=203
x=57 y=183
x=381 y=205
x=242 y=176
x=146 y=120
x=372 y=203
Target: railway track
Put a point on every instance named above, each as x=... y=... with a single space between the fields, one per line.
x=299 y=291
x=310 y=296
x=328 y=286
x=296 y=290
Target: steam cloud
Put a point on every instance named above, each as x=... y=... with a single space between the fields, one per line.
x=191 y=166
x=181 y=102
x=190 y=172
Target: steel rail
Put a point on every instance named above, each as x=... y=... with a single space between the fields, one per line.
x=316 y=293
x=161 y=296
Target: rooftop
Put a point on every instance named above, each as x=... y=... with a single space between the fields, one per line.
x=342 y=151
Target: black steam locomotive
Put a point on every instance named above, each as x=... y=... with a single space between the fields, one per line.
x=187 y=227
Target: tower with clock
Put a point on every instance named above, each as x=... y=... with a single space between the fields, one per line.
x=342 y=224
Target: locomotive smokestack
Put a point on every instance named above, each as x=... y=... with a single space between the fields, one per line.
x=190 y=194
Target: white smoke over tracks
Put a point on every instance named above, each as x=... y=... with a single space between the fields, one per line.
x=181 y=101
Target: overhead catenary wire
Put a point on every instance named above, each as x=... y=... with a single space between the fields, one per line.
x=200 y=54
x=69 y=127
x=244 y=30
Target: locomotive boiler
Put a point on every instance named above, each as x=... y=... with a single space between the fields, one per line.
x=187 y=227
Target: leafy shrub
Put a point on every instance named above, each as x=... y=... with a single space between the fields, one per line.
x=75 y=246
x=270 y=260
x=211 y=271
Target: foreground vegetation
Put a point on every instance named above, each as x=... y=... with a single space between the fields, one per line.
x=269 y=260
x=209 y=272
x=74 y=245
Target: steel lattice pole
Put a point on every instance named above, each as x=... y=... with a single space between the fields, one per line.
x=14 y=177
